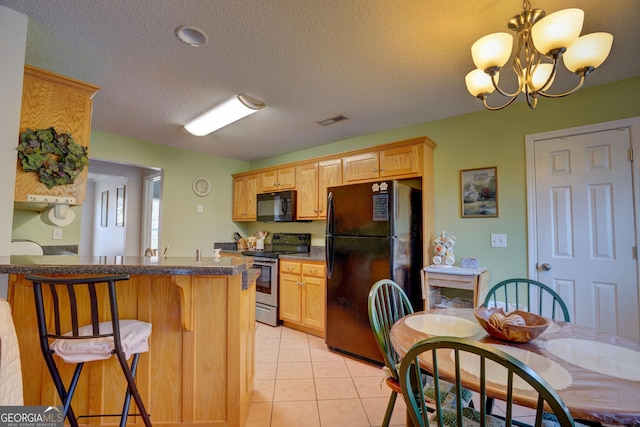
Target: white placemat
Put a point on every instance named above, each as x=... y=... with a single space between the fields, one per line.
x=603 y=358
x=557 y=376
x=443 y=325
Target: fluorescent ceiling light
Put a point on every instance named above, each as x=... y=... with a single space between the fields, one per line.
x=226 y=113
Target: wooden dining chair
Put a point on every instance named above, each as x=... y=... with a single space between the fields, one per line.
x=388 y=303
x=528 y=295
x=447 y=361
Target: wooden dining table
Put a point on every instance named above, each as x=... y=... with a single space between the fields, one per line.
x=596 y=374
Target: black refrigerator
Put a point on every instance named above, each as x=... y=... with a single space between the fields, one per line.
x=374 y=231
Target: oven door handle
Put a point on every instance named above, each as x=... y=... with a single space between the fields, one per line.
x=265 y=262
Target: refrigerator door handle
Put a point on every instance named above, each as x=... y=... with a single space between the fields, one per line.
x=328 y=247
x=330 y=225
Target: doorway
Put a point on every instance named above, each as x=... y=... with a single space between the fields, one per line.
x=151 y=213
x=114 y=212
x=582 y=187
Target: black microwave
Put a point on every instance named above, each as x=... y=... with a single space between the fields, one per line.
x=279 y=206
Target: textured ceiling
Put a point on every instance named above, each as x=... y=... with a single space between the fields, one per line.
x=384 y=64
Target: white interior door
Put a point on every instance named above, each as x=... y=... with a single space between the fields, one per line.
x=582 y=224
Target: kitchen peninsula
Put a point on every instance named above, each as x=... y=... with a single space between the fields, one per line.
x=200 y=366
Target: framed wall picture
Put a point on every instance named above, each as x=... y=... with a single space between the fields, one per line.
x=479 y=191
x=104 y=208
x=120 y=198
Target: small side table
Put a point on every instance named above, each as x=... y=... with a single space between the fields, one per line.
x=436 y=277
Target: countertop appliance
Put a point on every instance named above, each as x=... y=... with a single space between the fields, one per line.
x=278 y=206
x=374 y=231
x=267 y=289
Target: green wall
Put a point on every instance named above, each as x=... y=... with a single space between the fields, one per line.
x=29 y=225
x=464 y=142
x=489 y=138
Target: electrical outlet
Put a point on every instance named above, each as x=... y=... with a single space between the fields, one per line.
x=57 y=234
x=200 y=209
x=498 y=240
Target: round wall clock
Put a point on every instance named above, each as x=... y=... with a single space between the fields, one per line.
x=201 y=186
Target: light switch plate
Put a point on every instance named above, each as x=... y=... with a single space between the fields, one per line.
x=498 y=240
x=57 y=234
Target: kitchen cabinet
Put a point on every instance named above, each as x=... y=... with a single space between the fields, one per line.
x=396 y=162
x=313 y=179
x=302 y=295
x=245 y=190
x=411 y=158
x=278 y=179
x=52 y=100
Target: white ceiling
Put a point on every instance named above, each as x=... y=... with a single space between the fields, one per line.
x=383 y=63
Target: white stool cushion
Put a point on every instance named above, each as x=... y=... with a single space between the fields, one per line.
x=134 y=335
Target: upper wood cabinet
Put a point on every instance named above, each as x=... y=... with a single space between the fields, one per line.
x=397 y=162
x=313 y=179
x=278 y=179
x=360 y=167
x=411 y=158
x=401 y=161
x=245 y=190
x=52 y=100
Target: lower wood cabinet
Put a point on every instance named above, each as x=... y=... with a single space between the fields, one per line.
x=199 y=371
x=303 y=295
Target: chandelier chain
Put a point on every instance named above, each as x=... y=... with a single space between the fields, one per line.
x=526 y=5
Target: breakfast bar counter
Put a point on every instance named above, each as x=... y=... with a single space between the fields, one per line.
x=200 y=366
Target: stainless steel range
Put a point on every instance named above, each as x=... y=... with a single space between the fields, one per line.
x=267 y=293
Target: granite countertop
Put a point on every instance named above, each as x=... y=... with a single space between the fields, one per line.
x=317 y=253
x=65 y=264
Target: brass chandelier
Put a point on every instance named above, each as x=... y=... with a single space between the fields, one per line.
x=542 y=42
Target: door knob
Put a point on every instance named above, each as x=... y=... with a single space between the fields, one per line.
x=546 y=266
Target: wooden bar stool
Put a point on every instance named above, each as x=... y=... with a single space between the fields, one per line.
x=87 y=301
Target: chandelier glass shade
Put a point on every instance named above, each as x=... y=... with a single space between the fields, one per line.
x=543 y=41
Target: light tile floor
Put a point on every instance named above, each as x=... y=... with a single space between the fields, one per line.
x=299 y=382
